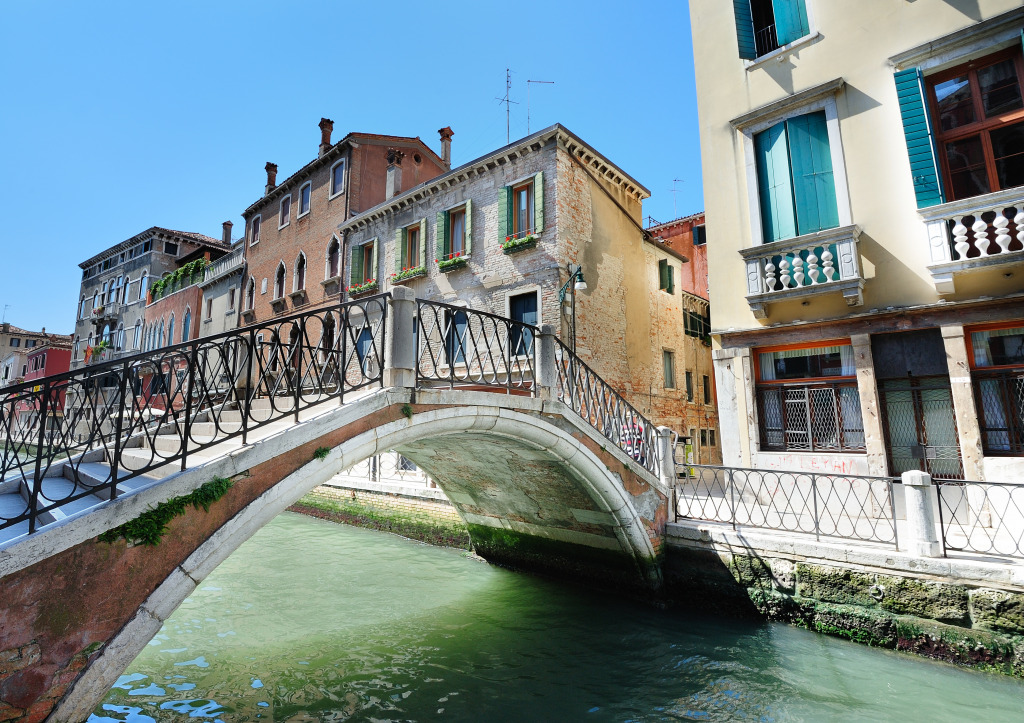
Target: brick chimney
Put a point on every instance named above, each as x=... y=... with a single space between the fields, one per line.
x=446 y=134
x=271 y=176
x=326 y=127
x=225 y=235
x=393 y=185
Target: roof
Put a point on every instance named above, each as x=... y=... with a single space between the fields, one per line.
x=12 y=329
x=191 y=236
x=329 y=157
x=576 y=145
x=676 y=221
x=55 y=341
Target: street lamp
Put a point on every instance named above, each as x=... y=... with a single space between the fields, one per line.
x=577 y=283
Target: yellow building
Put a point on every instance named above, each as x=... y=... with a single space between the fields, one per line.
x=864 y=180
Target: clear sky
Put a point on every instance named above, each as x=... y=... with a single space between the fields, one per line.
x=119 y=116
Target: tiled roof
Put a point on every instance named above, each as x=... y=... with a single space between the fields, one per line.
x=196 y=238
x=25 y=332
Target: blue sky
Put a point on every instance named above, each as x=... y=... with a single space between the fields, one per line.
x=118 y=116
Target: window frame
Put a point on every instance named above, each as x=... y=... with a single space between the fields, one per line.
x=668 y=370
x=177 y=248
x=281 y=211
x=308 y=199
x=526 y=290
x=531 y=210
x=336 y=244
x=449 y=243
x=1008 y=420
x=411 y=246
x=255 y=226
x=297 y=277
x=332 y=191
x=280 y=272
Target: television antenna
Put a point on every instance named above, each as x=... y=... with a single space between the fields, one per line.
x=4 y=320
x=675 y=213
x=547 y=82
x=507 y=100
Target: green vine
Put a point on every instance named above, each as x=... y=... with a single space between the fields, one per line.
x=407 y=411
x=149 y=527
x=321 y=453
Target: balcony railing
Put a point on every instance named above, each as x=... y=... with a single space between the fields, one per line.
x=223 y=265
x=818 y=263
x=974 y=233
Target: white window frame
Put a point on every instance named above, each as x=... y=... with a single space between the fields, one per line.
x=813 y=36
x=280 y=211
x=245 y=300
x=295 y=272
x=302 y=213
x=520 y=291
x=331 y=190
x=254 y=238
x=284 y=282
x=327 y=257
x=816 y=99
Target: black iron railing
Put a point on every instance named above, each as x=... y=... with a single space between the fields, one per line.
x=581 y=389
x=823 y=505
x=458 y=346
x=981 y=517
x=147 y=410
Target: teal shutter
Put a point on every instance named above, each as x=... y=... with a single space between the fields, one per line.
x=356 y=270
x=920 y=141
x=504 y=208
x=790 y=20
x=399 y=250
x=469 y=227
x=774 y=185
x=422 y=260
x=814 y=188
x=744 y=29
x=441 y=238
x=538 y=203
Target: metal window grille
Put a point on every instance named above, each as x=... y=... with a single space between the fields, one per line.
x=999 y=398
x=811 y=417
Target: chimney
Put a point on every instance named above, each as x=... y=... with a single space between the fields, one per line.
x=393 y=186
x=225 y=235
x=271 y=176
x=326 y=127
x=446 y=145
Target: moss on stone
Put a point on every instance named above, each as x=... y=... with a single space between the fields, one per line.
x=752 y=571
x=934 y=600
x=431 y=530
x=835 y=585
x=976 y=648
x=998 y=611
x=870 y=627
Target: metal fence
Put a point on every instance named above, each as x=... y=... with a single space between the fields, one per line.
x=147 y=410
x=461 y=346
x=823 y=505
x=580 y=388
x=981 y=517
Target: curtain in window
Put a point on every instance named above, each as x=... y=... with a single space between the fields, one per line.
x=980 y=342
x=766 y=360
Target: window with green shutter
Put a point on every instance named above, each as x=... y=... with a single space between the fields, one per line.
x=521 y=209
x=666 y=276
x=766 y=25
x=364 y=263
x=917 y=130
x=455 y=232
x=796 y=185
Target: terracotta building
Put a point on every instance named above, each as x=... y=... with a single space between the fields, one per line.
x=293 y=250
x=15 y=346
x=51 y=357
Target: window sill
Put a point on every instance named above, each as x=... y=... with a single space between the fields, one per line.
x=331 y=285
x=780 y=53
x=285 y=225
x=303 y=215
x=335 y=195
x=298 y=297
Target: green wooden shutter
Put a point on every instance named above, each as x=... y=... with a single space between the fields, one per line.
x=814 y=189
x=374 y=262
x=538 y=202
x=744 y=29
x=423 y=244
x=662 y=274
x=355 y=276
x=504 y=209
x=920 y=141
x=468 y=224
x=441 y=237
x=399 y=250
x=671 y=279
x=790 y=20
x=774 y=185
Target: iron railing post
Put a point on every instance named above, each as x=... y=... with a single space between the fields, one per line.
x=187 y=431
x=892 y=509
x=296 y=356
x=343 y=330
x=37 y=475
x=814 y=495
x=508 y=358
x=732 y=497
x=942 y=525
x=115 y=463
x=244 y=406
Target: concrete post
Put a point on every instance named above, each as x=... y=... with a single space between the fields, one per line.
x=921 y=538
x=667 y=472
x=967 y=427
x=870 y=407
x=547 y=366
x=400 y=348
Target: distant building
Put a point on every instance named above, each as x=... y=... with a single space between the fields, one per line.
x=221 y=289
x=15 y=346
x=293 y=250
x=53 y=357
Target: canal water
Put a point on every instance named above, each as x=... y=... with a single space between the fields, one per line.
x=312 y=621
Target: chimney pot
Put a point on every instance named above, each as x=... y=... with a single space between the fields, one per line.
x=326 y=128
x=393 y=183
x=271 y=169
x=225 y=235
x=446 y=134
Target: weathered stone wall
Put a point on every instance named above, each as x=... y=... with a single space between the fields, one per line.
x=418 y=507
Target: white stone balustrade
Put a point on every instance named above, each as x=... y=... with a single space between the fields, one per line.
x=818 y=263
x=974 y=233
x=223 y=265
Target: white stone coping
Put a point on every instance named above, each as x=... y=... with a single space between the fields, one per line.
x=974 y=204
x=720 y=537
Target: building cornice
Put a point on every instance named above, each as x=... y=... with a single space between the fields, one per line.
x=784 y=105
x=981 y=32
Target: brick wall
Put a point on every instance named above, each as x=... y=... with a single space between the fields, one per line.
x=415 y=507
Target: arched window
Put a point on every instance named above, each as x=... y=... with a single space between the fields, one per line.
x=300 y=272
x=118 y=342
x=143 y=285
x=78 y=343
x=333 y=259
x=160 y=336
x=137 y=340
x=186 y=325
x=279 y=282
x=250 y=294
x=103 y=294
x=170 y=331
x=88 y=342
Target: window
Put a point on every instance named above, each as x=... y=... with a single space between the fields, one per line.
x=337 y=178
x=456 y=323
x=365 y=351
x=186 y=325
x=279 y=281
x=711 y=437
x=250 y=294
x=703 y=438
x=300 y=273
x=209 y=309
x=410 y=246
x=143 y=286
x=304 y=194
x=689 y=385
x=364 y=263
x=231 y=299
x=285 y=212
x=978 y=118
x=15 y=342
x=700 y=235
x=411 y=251
x=103 y=294
x=254 y=230
x=29 y=343
x=170 y=248
x=794 y=177
x=454 y=232
x=137 y=338
x=333 y=259
x=668 y=367
x=807 y=398
x=522 y=308
x=170 y=331
x=997 y=373
x=666 y=276
x=696 y=324
x=521 y=208
x=766 y=25
x=83 y=309
x=706 y=383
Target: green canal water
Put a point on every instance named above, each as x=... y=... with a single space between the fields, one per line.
x=312 y=621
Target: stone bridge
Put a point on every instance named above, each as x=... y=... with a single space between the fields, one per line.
x=549 y=468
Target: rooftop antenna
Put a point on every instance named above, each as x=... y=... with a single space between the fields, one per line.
x=508 y=102
x=6 y=307
x=548 y=82
x=675 y=213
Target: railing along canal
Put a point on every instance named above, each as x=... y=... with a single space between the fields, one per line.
x=192 y=395
x=981 y=517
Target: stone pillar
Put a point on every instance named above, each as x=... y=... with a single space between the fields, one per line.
x=547 y=365
x=870 y=407
x=400 y=346
x=667 y=472
x=968 y=430
x=732 y=429
x=920 y=538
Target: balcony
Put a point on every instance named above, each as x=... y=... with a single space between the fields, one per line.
x=974 y=234
x=223 y=265
x=826 y=262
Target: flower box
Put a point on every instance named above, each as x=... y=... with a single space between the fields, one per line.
x=456 y=262
x=406 y=274
x=512 y=245
x=362 y=289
